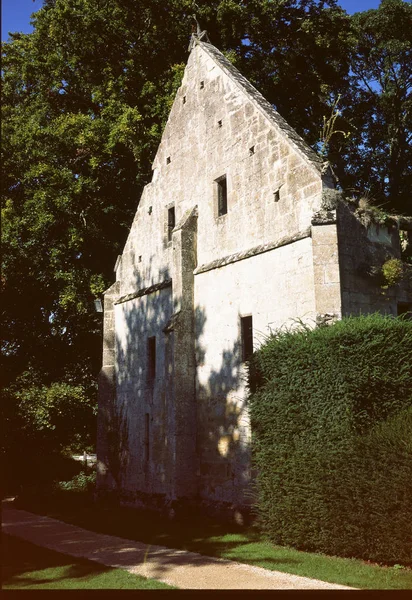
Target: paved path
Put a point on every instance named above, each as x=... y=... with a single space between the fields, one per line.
x=179 y=568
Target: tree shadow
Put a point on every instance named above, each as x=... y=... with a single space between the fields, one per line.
x=20 y=557
x=169 y=438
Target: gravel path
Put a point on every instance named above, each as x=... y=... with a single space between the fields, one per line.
x=179 y=568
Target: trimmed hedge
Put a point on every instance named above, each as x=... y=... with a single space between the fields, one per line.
x=331 y=413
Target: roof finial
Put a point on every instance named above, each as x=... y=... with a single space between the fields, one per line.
x=197 y=33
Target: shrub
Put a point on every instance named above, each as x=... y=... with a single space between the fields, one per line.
x=43 y=425
x=392 y=271
x=332 y=429
x=82 y=482
x=72 y=493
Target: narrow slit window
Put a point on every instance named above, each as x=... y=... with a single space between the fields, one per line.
x=184 y=99
x=202 y=85
x=276 y=196
x=171 y=222
x=246 y=337
x=168 y=160
x=219 y=123
x=221 y=196
x=147 y=437
x=151 y=359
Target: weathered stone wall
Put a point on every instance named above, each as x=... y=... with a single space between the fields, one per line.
x=326 y=272
x=210 y=133
x=362 y=252
x=107 y=391
x=148 y=455
x=179 y=291
x=274 y=287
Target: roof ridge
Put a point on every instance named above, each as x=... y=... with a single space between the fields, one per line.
x=262 y=104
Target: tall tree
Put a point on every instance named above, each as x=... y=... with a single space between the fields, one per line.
x=297 y=54
x=376 y=109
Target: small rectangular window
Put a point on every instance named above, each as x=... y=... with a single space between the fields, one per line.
x=168 y=160
x=147 y=437
x=184 y=99
x=219 y=123
x=171 y=222
x=246 y=337
x=405 y=309
x=251 y=151
x=221 y=196
x=151 y=358
x=202 y=85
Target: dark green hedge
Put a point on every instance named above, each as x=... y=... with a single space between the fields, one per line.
x=331 y=413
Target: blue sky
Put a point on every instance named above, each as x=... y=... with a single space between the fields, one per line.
x=16 y=13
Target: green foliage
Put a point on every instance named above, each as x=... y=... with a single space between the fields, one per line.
x=82 y=482
x=331 y=413
x=392 y=271
x=376 y=107
x=43 y=425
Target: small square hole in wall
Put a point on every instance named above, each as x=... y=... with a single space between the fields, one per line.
x=276 y=196
x=202 y=85
x=168 y=160
x=219 y=123
x=184 y=99
x=251 y=151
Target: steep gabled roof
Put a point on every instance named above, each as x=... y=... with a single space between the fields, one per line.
x=260 y=102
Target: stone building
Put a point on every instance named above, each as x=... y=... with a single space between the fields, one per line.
x=239 y=232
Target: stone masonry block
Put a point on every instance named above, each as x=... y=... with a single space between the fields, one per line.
x=331 y=273
x=325 y=254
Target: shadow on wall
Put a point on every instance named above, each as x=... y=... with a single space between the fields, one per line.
x=223 y=436
x=142 y=425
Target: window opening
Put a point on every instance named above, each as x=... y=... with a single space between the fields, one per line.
x=276 y=196
x=219 y=123
x=405 y=308
x=147 y=437
x=184 y=99
x=168 y=160
x=151 y=359
x=140 y=258
x=251 y=151
x=202 y=85
x=246 y=337
x=221 y=196
x=171 y=222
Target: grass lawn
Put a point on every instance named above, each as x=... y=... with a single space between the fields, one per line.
x=27 y=566
x=231 y=542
